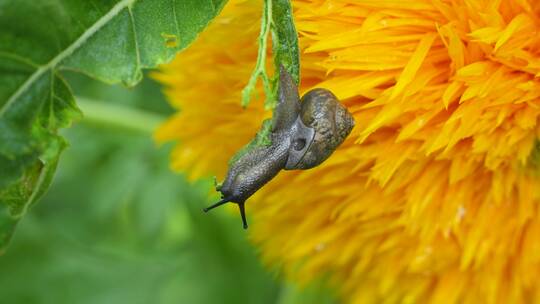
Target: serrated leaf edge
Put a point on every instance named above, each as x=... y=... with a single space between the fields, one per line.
x=35 y=191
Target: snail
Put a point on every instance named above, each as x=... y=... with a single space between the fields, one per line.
x=303 y=134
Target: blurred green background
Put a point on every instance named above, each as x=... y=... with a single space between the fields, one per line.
x=117 y=226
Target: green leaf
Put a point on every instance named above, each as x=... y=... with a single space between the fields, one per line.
x=276 y=18
x=108 y=40
x=285 y=47
x=18 y=197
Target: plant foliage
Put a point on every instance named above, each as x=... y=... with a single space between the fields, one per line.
x=111 y=41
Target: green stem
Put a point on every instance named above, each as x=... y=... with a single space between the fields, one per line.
x=260 y=66
x=118 y=116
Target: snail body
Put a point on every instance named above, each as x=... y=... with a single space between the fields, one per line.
x=304 y=133
x=254 y=169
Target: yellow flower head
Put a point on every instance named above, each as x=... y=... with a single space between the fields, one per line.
x=435 y=195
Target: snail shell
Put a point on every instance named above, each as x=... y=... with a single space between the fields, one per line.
x=304 y=134
x=322 y=112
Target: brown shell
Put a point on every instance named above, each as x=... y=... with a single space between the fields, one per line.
x=322 y=111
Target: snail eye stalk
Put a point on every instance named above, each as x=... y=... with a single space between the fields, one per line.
x=240 y=206
x=221 y=202
x=243 y=214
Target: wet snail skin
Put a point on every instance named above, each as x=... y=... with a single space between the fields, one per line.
x=304 y=133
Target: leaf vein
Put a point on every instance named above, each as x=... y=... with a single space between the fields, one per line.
x=19 y=58
x=115 y=10
x=137 y=51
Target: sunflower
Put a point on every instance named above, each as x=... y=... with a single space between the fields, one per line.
x=434 y=197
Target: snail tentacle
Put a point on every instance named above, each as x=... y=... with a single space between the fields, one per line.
x=243 y=214
x=221 y=202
